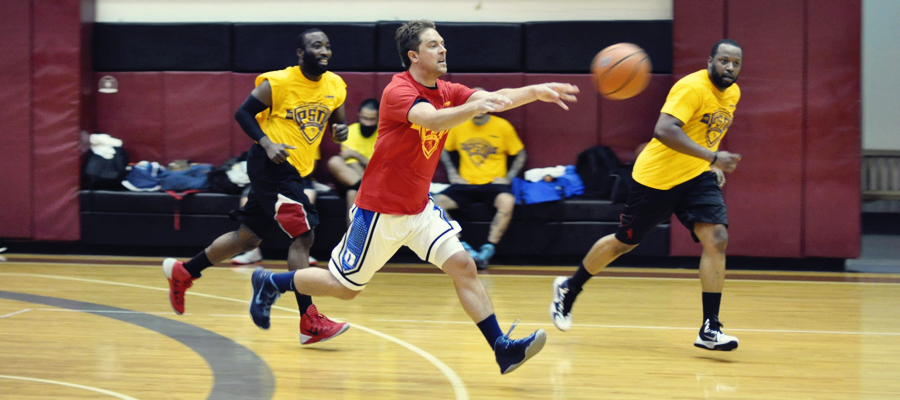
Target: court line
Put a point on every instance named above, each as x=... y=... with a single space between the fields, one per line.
x=656 y=327
x=459 y=388
x=14 y=313
x=74 y=385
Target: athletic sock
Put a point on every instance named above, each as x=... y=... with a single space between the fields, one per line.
x=198 y=264
x=303 y=301
x=284 y=281
x=490 y=329
x=711 y=303
x=579 y=278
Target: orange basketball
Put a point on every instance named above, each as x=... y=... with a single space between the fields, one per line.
x=621 y=71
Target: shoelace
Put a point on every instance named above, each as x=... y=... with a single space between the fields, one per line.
x=509 y=332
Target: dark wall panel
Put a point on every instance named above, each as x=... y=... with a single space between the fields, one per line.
x=832 y=140
x=15 y=94
x=134 y=114
x=498 y=49
x=569 y=46
x=624 y=124
x=162 y=47
x=764 y=194
x=197 y=116
x=388 y=57
x=56 y=118
x=268 y=47
x=556 y=136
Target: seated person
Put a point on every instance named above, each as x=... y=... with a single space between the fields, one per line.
x=484 y=144
x=348 y=166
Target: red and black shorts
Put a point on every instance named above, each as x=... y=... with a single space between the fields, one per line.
x=276 y=202
x=697 y=200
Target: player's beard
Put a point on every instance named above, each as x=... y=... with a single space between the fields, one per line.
x=367 y=130
x=311 y=62
x=718 y=81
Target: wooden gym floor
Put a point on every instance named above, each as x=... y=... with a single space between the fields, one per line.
x=101 y=327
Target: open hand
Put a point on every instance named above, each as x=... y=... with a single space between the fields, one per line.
x=557 y=93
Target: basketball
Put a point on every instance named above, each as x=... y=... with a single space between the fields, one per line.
x=621 y=71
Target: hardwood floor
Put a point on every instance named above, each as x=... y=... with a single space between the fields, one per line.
x=101 y=327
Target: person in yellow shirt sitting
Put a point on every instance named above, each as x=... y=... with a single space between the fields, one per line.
x=348 y=166
x=484 y=144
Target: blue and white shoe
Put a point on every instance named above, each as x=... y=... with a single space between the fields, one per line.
x=712 y=338
x=512 y=353
x=264 y=295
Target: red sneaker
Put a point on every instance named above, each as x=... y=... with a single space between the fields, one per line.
x=179 y=282
x=315 y=327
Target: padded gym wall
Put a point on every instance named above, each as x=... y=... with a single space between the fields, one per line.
x=56 y=118
x=15 y=94
x=832 y=139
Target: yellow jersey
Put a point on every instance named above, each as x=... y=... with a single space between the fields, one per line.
x=483 y=149
x=706 y=112
x=359 y=143
x=300 y=112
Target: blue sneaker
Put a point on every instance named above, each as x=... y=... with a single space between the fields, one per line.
x=469 y=249
x=511 y=353
x=487 y=251
x=264 y=295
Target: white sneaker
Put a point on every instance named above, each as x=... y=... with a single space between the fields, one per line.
x=312 y=260
x=712 y=338
x=562 y=320
x=250 y=257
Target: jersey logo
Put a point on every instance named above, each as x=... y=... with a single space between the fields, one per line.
x=431 y=140
x=717 y=123
x=478 y=150
x=311 y=118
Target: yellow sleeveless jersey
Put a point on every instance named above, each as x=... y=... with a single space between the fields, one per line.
x=706 y=113
x=483 y=149
x=359 y=143
x=300 y=112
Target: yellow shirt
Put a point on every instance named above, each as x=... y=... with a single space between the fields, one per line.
x=706 y=113
x=359 y=143
x=300 y=112
x=483 y=149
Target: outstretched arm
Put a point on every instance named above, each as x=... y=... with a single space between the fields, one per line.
x=554 y=92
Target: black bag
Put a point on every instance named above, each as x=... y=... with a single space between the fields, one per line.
x=218 y=177
x=98 y=173
x=594 y=166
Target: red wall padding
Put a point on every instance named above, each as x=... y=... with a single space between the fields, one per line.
x=56 y=119
x=696 y=26
x=197 y=116
x=764 y=195
x=134 y=114
x=832 y=141
x=556 y=136
x=624 y=124
x=15 y=95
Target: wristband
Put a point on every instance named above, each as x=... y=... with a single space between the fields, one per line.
x=715 y=158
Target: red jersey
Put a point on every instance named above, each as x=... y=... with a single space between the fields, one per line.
x=399 y=174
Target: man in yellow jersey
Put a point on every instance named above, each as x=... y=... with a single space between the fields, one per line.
x=348 y=166
x=483 y=144
x=286 y=115
x=680 y=172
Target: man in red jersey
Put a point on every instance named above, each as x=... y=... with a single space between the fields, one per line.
x=393 y=208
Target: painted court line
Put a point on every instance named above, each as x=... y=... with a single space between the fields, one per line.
x=77 y=386
x=459 y=387
x=657 y=328
x=15 y=313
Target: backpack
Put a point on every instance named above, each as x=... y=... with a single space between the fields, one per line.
x=98 y=173
x=594 y=166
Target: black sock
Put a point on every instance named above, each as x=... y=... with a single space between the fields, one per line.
x=579 y=278
x=490 y=329
x=197 y=264
x=711 y=303
x=303 y=301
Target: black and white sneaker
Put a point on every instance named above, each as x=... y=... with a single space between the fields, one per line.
x=712 y=338
x=561 y=318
